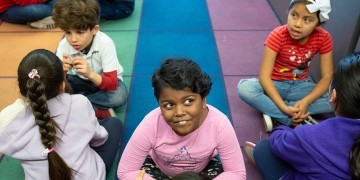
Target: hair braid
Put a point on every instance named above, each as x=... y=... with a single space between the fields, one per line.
x=38 y=89
x=37 y=97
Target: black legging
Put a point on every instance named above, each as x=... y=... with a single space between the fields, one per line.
x=213 y=169
x=108 y=150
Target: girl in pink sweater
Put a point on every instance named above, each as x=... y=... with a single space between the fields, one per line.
x=184 y=133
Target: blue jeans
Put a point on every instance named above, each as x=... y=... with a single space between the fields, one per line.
x=251 y=91
x=99 y=98
x=116 y=9
x=24 y=14
x=270 y=166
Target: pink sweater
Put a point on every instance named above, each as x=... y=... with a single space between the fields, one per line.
x=174 y=154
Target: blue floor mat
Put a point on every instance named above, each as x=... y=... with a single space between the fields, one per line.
x=185 y=31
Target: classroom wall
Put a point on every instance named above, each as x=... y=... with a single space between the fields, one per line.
x=344 y=26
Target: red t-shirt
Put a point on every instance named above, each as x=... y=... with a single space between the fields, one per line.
x=293 y=59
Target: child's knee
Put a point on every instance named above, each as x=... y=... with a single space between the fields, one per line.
x=246 y=88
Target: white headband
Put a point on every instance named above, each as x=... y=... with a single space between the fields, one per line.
x=320 y=5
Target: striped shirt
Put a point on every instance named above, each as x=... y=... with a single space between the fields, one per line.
x=293 y=59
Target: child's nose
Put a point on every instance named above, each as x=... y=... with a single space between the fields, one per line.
x=179 y=111
x=298 y=23
x=73 y=38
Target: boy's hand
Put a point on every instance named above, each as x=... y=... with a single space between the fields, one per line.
x=67 y=64
x=81 y=66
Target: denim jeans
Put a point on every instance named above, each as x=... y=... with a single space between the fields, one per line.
x=99 y=98
x=251 y=91
x=24 y=14
x=116 y=9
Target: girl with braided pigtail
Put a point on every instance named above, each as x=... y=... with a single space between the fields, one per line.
x=36 y=94
x=49 y=128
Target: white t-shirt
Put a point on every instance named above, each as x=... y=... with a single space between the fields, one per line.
x=101 y=57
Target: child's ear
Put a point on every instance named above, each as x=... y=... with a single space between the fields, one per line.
x=204 y=103
x=333 y=96
x=95 y=29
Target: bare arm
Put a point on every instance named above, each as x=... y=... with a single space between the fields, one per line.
x=326 y=68
x=267 y=83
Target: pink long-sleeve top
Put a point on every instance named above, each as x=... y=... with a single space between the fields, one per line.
x=174 y=154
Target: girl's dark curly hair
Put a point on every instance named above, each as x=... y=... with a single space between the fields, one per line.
x=179 y=74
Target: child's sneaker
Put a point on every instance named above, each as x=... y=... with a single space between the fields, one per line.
x=310 y=120
x=46 y=23
x=104 y=113
x=249 y=151
x=268 y=123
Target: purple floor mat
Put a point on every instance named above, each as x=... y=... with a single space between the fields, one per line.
x=247 y=121
x=240 y=51
x=241 y=15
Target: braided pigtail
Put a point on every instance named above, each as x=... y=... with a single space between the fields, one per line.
x=40 y=78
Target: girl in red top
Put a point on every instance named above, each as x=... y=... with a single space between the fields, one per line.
x=283 y=92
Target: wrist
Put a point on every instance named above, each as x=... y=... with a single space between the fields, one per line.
x=90 y=75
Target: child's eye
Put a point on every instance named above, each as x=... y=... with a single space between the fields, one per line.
x=307 y=20
x=168 y=106
x=188 y=101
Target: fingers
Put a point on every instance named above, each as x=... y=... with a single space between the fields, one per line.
x=300 y=117
x=67 y=64
x=77 y=62
x=140 y=175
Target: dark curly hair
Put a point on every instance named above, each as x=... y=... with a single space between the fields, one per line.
x=76 y=14
x=179 y=74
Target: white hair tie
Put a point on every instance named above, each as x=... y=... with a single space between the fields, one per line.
x=46 y=152
x=34 y=73
x=320 y=5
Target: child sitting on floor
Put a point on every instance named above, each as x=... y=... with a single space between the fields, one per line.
x=283 y=92
x=89 y=56
x=184 y=133
x=320 y=151
x=55 y=135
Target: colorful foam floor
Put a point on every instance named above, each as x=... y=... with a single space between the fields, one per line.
x=224 y=37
